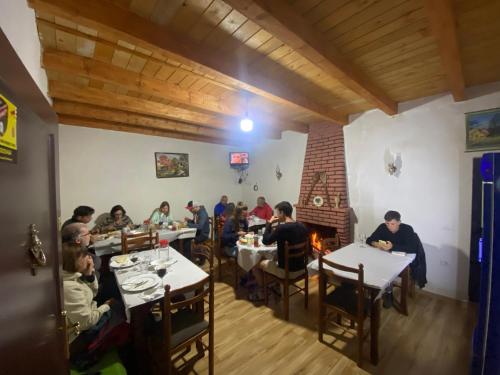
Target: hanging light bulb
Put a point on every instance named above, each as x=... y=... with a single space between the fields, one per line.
x=246 y=124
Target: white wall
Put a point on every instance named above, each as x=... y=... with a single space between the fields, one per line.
x=17 y=21
x=433 y=191
x=288 y=153
x=101 y=168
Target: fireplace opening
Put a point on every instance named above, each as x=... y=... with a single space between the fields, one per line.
x=323 y=239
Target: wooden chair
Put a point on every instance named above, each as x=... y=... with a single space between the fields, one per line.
x=185 y=321
x=221 y=255
x=344 y=301
x=139 y=241
x=206 y=248
x=290 y=278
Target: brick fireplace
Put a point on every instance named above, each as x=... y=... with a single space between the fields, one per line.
x=324 y=178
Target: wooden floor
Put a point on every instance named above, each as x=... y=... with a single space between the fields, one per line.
x=253 y=339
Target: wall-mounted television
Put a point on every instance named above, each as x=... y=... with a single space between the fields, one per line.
x=239 y=159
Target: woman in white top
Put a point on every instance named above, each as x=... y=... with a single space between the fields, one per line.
x=161 y=215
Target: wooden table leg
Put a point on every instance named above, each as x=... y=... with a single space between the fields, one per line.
x=405 y=278
x=374 y=325
x=181 y=246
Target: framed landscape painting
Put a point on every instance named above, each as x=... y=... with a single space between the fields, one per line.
x=171 y=165
x=483 y=130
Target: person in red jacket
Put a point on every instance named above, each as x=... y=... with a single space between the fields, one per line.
x=263 y=210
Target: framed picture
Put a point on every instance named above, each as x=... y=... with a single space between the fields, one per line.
x=171 y=165
x=483 y=130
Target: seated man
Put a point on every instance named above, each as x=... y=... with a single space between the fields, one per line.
x=81 y=214
x=281 y=228
x=78 y=233
x=200 y=222
x=393 y=236
x=263 y=210
x=221 y=206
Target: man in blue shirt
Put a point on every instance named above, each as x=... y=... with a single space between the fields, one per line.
x=221 y=206
x=200 y=221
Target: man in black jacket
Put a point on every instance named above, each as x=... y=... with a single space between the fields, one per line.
x=393 y=236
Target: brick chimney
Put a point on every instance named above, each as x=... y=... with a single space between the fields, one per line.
x=324 y=176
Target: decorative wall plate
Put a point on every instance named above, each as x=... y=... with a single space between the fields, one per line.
x=318 y=201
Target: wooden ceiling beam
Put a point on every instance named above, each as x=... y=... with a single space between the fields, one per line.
x=283 y=22
x=112 y=115
x=107 y=125
x=443 y=24
x=118 y=47
x=81 y=94
x=123 y=24
x=104 y=72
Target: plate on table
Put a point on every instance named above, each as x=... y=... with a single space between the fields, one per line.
x=139 y=283
x=124 y=261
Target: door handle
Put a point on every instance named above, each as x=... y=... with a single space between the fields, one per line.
x=37 y=254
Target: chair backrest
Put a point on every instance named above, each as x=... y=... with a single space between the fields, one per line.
x=358 y=281
x=196 y=300
x=211 y=221
x=139 y=241
x=296 y=251
x=218 y=238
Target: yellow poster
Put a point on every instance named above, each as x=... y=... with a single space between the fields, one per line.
x=8 y=130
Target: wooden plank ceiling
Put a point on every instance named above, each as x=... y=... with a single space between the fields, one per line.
x=192 y=69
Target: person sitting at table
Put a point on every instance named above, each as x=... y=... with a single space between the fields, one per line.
x=393 y=236
x=81 y=214
x=161 y=215
x=200 y=222
x=228 y=212
x=262 y=210
x=79 y=234
x=234 y=227
x=100 y=327
x=220 y=207
x=280 y=229
x=117 y=220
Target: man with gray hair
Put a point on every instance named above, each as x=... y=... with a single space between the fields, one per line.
x=78 y=233
x=200 y=221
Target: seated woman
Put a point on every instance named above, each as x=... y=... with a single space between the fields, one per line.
x=95 y=322
x=234 y=227
x=117 y=220
x=161 y=215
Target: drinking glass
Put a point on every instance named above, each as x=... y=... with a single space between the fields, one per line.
x=362 y=239
x=161 y=271
x=146 y=259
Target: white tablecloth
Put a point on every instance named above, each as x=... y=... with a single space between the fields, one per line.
x=113 y=245
x=180 y=274
x=380 y=267
x=249 y=256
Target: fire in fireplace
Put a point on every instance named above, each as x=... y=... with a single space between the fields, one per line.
x=323 y=239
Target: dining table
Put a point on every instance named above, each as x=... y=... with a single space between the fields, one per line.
x=249 y=255
x=381 y=268
x=112 y=244
x=139 y=298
